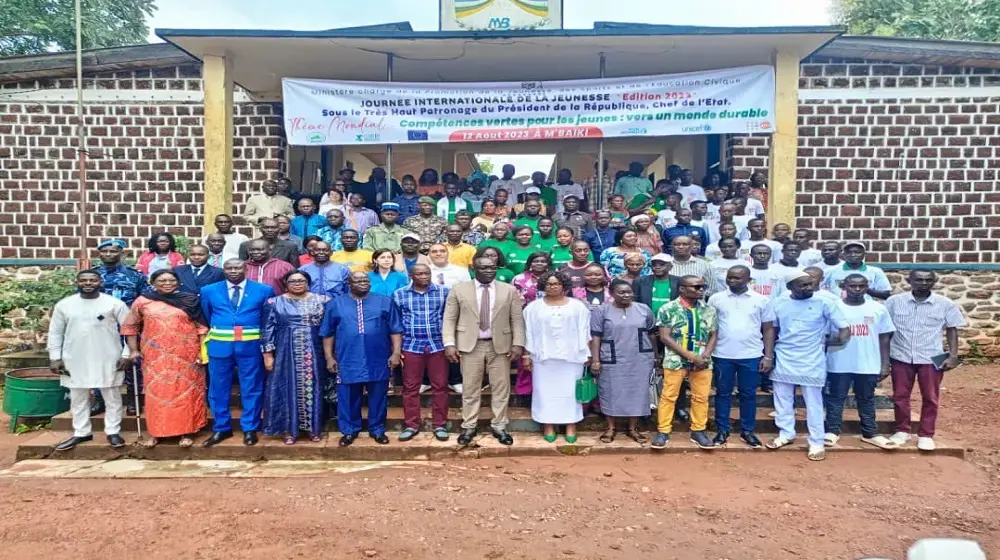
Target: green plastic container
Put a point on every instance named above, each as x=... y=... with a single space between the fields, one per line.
x=33 y=393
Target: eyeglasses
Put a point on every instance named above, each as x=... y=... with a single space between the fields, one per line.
x=296 y=281
x=696 y=287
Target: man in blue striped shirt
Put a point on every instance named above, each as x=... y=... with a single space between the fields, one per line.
x=421 y=306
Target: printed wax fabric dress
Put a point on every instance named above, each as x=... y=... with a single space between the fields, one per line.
x=293 y=397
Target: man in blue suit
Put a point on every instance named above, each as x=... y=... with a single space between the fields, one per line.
x=198 y=273
x=234 y=312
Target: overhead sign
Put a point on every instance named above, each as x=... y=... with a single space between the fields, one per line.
x=500 y=15
x=326 y=112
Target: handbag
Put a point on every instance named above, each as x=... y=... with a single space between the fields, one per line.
x=586 y=388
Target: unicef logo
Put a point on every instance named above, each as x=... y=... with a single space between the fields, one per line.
x=708 y=127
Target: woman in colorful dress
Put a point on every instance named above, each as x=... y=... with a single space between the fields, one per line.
x=504 y=210
x=293 y=357
x=164 y=330
x=161 y=254
x=649 y=239
x=594 y=291
x=488 y=217
x=527 y=286
x=557 y=349
x=619 y=211
x=384 y=277
x=624 y=345
x=613 y=258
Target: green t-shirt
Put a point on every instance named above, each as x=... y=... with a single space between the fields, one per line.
x=517 y=257
x=549 y=196
x=561 y=256
x=661 y=294
x=526 y=221
x=659 y=204
x=544 y=244
x=502 y=246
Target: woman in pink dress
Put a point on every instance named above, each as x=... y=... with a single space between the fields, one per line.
x=526 y=284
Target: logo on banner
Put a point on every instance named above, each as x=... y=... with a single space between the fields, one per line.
x=417 y=135
x=316 y=138
x=368 y=138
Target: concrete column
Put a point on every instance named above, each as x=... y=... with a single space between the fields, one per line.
x=218 y=84
x=784 y=141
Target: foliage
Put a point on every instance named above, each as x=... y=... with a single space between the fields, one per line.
x=970 y=20
x=183 y=243
x=33 y=427
x=39 y=26
x=486 y=166
x=35 y=297
x=976 y=356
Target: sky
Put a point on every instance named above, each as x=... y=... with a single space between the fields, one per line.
x=304 y=15
x=423 y=14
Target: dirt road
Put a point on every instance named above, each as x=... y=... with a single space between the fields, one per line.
x=600 y=507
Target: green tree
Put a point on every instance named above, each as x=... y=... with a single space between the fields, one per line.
x=486 y=166
x=970 y=20
x=38 y=26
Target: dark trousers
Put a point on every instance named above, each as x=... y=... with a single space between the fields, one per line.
x=349 y=406
x=414 y=367
x=732 y=373
x=838 y=384
x=929 y=378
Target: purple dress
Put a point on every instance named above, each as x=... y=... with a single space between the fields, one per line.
x=293 y=396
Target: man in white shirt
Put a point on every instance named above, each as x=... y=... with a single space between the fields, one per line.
x=863 y=362
x=690 y=191
x=744 y=350
x=443 y=273
x=790 y=252
x=565 y=186
x=224 y=227
x=764 y=279
x=513 y=187
x=808 y=256
x=830 y=251
x=756 y=230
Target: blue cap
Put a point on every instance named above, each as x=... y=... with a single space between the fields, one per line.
x=120 y=243
x=390 y=206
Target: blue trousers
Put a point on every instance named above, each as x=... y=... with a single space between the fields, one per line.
x=864 y=395
x=732 y=373
x=349 y=406
x=220 y=385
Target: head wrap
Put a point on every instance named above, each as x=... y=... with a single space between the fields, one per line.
x=479 y=175
x=120 y=243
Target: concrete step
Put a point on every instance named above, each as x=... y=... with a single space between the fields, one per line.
x=422 y=447
x=520 y=420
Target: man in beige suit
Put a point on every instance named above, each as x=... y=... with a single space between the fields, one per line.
x=484 y=329
x=268 y=204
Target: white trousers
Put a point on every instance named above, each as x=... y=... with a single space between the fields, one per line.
x=784 y=411
x=79 y=406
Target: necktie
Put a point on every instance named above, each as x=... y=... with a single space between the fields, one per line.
x=196 y=271
x=235 y=298
x=484 y=309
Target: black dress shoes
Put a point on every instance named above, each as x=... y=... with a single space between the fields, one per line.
x=466 y=437
x=380 y=439
x=217 y=438
x=503 y=436
x=250 y=438
x=348 y=439
x=116 y=441
x=73 y=442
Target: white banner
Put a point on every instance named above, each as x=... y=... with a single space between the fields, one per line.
x=328 y=112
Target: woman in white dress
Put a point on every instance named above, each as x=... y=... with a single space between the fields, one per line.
x=557 y=349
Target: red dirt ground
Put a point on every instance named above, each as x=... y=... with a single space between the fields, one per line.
x=766 y=506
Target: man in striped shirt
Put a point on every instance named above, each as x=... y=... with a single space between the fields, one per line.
x=919 y=317
x=264 y=268
x=421 y=306
x=685 y=264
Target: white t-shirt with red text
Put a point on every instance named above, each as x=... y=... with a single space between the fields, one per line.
x=861 y=353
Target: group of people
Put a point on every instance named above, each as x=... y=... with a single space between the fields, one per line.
x=668 y=292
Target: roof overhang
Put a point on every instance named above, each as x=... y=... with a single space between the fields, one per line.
x=62 y=64
x=915 y=51
x=260 y=59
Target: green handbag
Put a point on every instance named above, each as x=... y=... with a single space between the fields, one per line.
x=586 y=388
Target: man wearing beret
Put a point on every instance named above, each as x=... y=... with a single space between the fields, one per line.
x=427 y=224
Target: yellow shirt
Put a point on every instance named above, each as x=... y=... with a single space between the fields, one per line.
x=461 y=255
x=358 y=261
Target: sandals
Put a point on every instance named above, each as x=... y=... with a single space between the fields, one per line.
x=289 y=440
x=608 y=436
x=185 y=442
x=149 y=443
x=779 y=442
x=817 y=453
x=637 y=436
x=315 y=438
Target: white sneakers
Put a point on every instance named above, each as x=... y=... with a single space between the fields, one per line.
x=456 y=387
x=925 y=444
x=900 y=438
x=425 y=388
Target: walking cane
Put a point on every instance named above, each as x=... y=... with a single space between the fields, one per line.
x=138 y=411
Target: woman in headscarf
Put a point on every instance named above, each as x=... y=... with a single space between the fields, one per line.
x=613 y=258
x=649 y=238
x=488 y=216
x=428 y=184
x=164 y=329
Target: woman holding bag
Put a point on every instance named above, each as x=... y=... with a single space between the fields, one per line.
x=557 y=349
x=624 y=348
